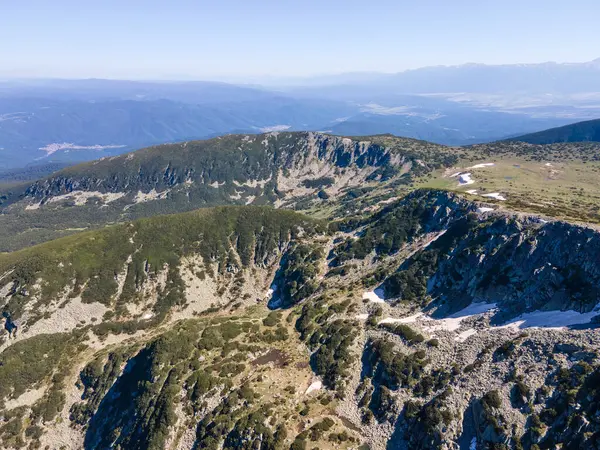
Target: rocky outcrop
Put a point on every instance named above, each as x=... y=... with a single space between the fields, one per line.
x=285 y=159
x=520 y=263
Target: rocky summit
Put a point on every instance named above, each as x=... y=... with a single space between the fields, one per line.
x=300 y=291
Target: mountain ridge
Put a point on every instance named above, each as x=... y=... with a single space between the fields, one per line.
x=278 y=168
x=587 y=131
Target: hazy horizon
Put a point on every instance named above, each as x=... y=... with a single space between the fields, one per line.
x=235 y=40
x=257 y=78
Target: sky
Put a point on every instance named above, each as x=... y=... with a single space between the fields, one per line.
x=244 y=39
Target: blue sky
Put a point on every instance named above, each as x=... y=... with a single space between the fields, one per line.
x=244 y=38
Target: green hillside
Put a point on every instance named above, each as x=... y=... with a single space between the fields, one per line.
x=293 y=170
x=588 y=131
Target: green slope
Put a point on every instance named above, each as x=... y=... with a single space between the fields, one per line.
x=588 y=131
x=296 y=170
x=87 y=265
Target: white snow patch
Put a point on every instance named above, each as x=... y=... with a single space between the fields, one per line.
x=453 y=321
x=462 y=337
x=455 y=175
x=480 y=166
x=483 y=209
x=236 y=196
x=465 y=179
x=548 y=165
x=315 y=386
x=553 y=320
x=407 y=319
x=375 y=296
x=471 y=191
x=4 y=291
x=271 y=291
x=148 y=316
x=495 y=195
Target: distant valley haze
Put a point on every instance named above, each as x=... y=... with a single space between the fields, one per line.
x=94 y=81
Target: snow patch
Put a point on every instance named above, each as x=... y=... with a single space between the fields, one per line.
x=462 y=337
x=33 y=206
x=375 y=296
x=453 y=321
x=408 y=319
x=495 y=195
x=471 y=191
x=271 y=291
x=465 y=179
x=473 y=445
x=315 y=386
x=4 y=291
x=550 y=320
x=480 y=166
x=484 y=209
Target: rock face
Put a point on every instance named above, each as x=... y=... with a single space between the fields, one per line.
x=520 y=263
x=274 y=161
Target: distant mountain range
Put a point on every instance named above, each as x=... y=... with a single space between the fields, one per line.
x=588 y=131
x=481 y=78
x=68 y=121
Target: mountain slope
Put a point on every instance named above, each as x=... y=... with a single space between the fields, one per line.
x=588 y=131
x=323 y=175
x=132 y=276
x=281 y=169
x=485 y=338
